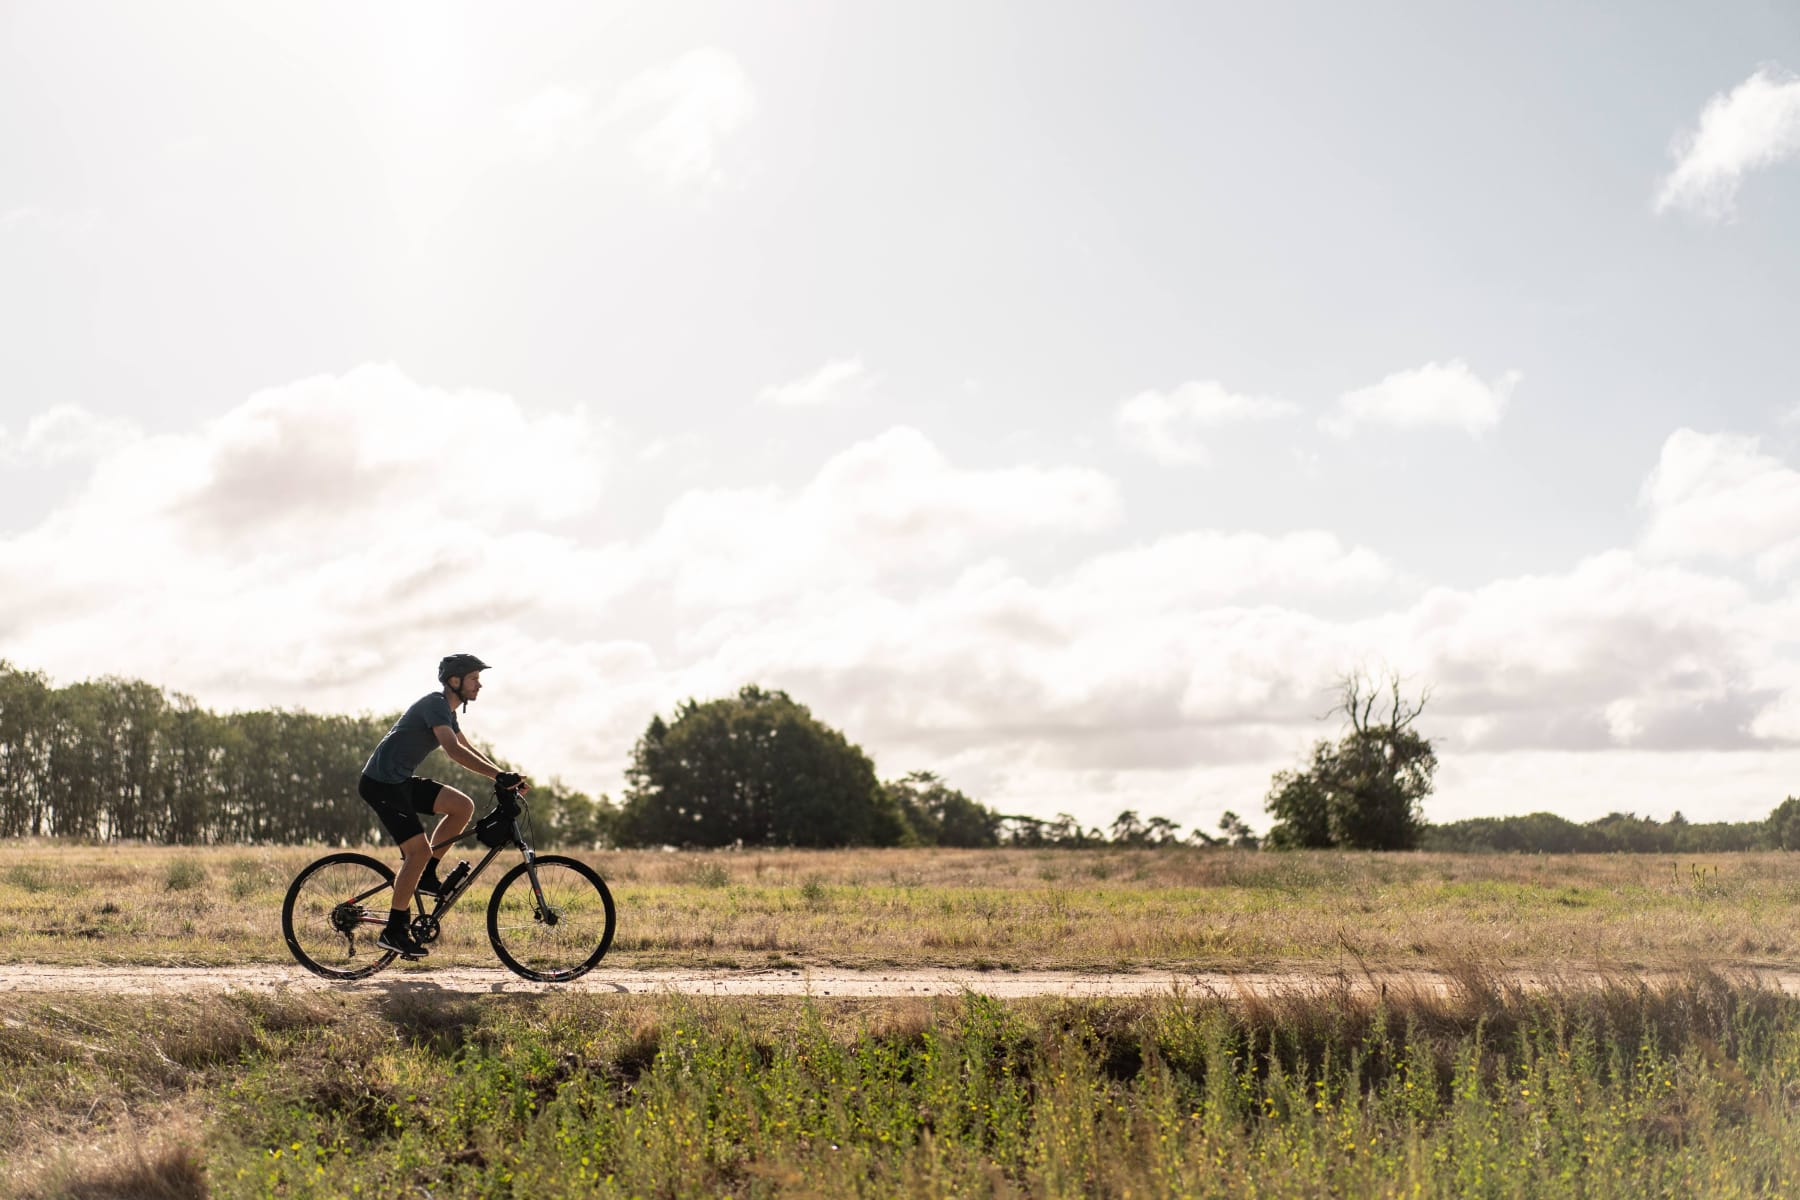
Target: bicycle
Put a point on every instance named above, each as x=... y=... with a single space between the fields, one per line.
x=550 y=918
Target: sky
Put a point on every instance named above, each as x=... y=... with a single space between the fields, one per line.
x=1061 y=398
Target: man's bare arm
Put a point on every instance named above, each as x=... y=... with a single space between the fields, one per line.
x=457 y=747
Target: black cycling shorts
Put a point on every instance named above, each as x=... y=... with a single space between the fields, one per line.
x=399 y=804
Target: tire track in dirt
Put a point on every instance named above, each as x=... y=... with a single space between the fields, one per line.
x=820 y=982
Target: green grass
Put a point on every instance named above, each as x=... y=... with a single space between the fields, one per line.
x=1082 y=910
x=1682 y=1090
x=184 y=874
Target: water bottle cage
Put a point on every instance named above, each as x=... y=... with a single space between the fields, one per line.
x=455 y=877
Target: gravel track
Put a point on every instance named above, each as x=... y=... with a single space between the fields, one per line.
x=472 y=981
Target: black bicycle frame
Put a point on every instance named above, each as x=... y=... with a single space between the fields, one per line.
x=444 y=902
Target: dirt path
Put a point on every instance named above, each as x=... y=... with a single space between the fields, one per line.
x=18 y=978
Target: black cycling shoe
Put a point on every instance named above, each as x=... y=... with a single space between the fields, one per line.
x=400 y=941
x=429 y=884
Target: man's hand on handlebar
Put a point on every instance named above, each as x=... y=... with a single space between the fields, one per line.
x=509 y=781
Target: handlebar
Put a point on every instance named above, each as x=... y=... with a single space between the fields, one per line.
x=508 y=799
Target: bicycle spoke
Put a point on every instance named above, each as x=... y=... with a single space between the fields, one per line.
x=333 y=914
x=557 y=930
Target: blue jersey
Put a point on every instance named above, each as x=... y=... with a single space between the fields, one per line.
x=410 y=740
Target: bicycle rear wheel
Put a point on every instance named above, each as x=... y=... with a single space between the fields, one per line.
x=557 y=931
x=333 y=913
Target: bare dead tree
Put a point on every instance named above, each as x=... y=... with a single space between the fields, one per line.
x=1359 y=693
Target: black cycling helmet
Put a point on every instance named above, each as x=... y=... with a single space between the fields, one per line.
x=458 y=664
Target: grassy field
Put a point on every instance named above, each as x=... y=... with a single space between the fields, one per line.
x=1687 y=1089
x=1688 y=1086
x=1011 y=909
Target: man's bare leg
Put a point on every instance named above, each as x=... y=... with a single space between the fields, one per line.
x=416 y=852
x=457 y=810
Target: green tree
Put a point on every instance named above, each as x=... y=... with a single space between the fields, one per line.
x=937 y=814
x=1298 y=800
x=1364 y=791
x=1066 y=833
x=1160 y=831
x=1128 y=829
x=1017 y=829
x=1237 y=833
x=1784 y=824
x=119 y=758
x=757 y=769
x=563 y=817
x=26 y=702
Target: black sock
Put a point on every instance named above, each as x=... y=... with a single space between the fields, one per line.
x=396 y=918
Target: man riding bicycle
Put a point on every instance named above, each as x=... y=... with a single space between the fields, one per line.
x=398 y=796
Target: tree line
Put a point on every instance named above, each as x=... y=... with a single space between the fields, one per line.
x=121 y=759
x=115 y=758
x=1622 y=833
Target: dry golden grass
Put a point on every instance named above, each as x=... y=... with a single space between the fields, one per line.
x=1024 y=909
x=117 y=1166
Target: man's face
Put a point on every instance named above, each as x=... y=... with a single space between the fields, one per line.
x=471 y=684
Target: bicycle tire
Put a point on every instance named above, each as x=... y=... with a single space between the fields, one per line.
x=512 y=899
x=313 y=926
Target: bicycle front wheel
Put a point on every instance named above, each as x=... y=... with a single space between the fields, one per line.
x=551 y=919
x=333 y=913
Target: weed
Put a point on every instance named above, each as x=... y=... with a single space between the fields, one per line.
x=248 y=877
x=184 y=874
x=707 y=875
x=28 y=877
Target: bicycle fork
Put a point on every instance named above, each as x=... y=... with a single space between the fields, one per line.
x=545 y=913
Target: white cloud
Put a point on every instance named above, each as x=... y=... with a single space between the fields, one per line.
x=1212 y=650
x=1737 y=785
x=362 y=510
x=693 y=106
x=315 y=449
x=1780 y=720
x=318 y=543
x=1755 y=125
x=1448 y=395
x=884 y=507
x=1188 y=570
x=1170 y=426
x=835 y=382
x=1613 y=652
x=1719 y=496
x=63 y=433
x=322 y=543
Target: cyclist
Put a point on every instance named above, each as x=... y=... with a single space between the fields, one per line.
x=398 y=796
